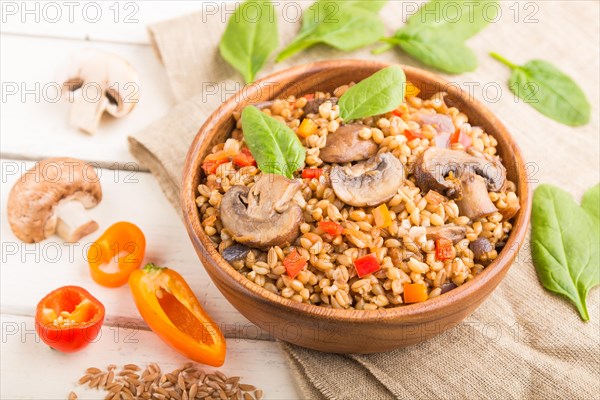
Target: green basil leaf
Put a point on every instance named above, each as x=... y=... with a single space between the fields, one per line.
x=343 y=25
x=591 y=201
x=564 y=239
x=548 y=90
x=274 y=146
x=250 y=37
x=455 y=20
x=446 y=55
x=380 y=93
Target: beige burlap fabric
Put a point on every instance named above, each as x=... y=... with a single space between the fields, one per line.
x=523 y=342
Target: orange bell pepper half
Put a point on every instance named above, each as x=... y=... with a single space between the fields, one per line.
x=170 y=308
x=116 y=254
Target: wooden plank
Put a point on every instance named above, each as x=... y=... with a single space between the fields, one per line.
x=34 y=122
x=108 y=21
x=31 y=370
x=29 y=271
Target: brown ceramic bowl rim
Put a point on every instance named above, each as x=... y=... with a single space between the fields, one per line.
x=442 y=303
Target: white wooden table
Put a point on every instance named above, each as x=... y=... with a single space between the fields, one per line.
x=35 y=39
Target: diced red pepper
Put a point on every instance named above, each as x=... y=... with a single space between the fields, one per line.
x=367 y=265
x=309 y=96
x=415 y=292
x=444 y=250
x=410 y=135
x=331 y=227
x=312 y=173
x=397 y=112
x=244 y=158
x=294 y=263
x=459 y=137
x=212 y=161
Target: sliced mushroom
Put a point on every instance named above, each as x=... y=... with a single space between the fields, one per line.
x=440 y=122
x=264 y=215
x=52 y=197
x=475 y=201
x=452 y=232
x=235 y=252
x=312 y=105
x=435 y=164
x=345 y=145
x=99 y=81
x=480 y=248
x=368 y=183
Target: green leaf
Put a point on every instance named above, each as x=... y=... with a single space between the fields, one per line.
x=380 y=93
x=445 y=55
x=274 y=146
x=344 y=25
x=591 y=201
x=455 y=20
x=250 y=37
x=548 y=90
x=436 y=33
x=564 y=240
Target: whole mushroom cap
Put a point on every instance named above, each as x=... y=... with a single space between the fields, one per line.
x=33 y=199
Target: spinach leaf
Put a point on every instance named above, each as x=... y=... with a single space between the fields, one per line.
x=344 y=25
x=548 y=90
x=274 y=146
x=380 y=93
x=456 y=20
x=564 y=239
x=436 y=33
x=591 y=201
x=440 y=53
x=250 y=37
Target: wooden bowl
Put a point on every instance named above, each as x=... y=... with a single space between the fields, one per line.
x=328 y=329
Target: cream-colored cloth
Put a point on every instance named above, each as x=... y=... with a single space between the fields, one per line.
x=523 y=342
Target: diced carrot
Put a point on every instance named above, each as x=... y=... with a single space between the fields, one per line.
x=331 y=227
x=415 y=292
x=307 y=127
x=312 y=173
x=244 y=158
x=367 y=265
x=294 y=263
x=444 y=250
x=212 y=161
x=382 y=216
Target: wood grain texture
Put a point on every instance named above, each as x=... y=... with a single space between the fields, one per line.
x=349 y=331
x=31 y=370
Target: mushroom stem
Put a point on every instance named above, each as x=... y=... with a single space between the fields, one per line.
x=86 y=114
x=73 y=223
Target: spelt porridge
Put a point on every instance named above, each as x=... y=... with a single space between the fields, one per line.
x=388 y=210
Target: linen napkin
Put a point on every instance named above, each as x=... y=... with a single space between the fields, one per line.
x=523 y=342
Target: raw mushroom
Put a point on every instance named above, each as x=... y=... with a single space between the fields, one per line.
x=368 y=183
x=472 y=178
x=312 y=105
x=452 y=232
x=345 y=145
x=52 y=197
x=264 y=215
x=97 y=81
